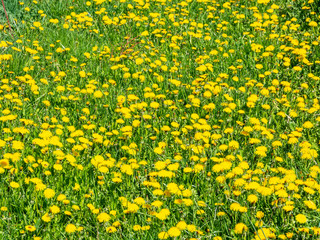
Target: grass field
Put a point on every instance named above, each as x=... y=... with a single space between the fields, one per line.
x=160 y=119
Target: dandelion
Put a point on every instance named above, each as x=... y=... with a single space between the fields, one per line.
x=307 y=125
x=139 y=61
x=136 y=228
x=71 y=228
x=174 y=232
x=182 y=225
x=163 y=214
x=14 y=184
x=111 y=229
x=310 y=204
x=30 y=228
x=82 y=74
x=98 y=94
x=17 y=145
x=233 y=145
x=259 y=214
x=163 y=235
x=54 y=209
x=265 y=233
x=103 y=217
x=288 y=208
x=49 y=193
x=252 y=198
x=300 y=218
x=240 y=228
x=46 y=218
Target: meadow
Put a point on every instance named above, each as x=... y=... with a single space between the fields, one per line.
x=160 y=119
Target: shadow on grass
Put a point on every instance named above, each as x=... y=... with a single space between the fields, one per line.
x=15 y=14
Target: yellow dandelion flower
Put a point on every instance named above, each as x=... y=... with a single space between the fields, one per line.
x=163 y=235
x=14 y=184
x=240 y=228
x=49 y=193
x=300 y=218
x=70 y=228
x=30 y=228
x=174 y=232
x=111 y=229
x=103 y=217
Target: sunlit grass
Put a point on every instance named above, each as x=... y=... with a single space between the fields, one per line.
x=160 y=120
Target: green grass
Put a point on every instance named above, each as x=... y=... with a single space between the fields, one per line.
x=192 y=107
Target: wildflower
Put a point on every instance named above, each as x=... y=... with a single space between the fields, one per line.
x=46 y=218
x=163 y=235
x=98 y=94
x=54 y=209
x=30 y=228
x=310 y=204
x=132 y=208
x=163 y=214
x=49 y=193
x=307 y=125
x=17 y=145
x=313 y=24
x=111 y=229
x=71 y=228
x=288 y=208
x=259 y=214
x=82 y=74
x=265 y=191
x=182 y=225
x=14 y=184
x=261 y=151
x=300 y=218
x=240 y=228
x=233 y=145
x=103 y=217
x=136 y=228
x=139 y=201
x=4 y=209
x=220 y=214
x=139 y=61
x=252 y=198
x=191 y=228
x=174 y=232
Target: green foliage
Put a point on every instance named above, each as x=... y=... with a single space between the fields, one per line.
x=159 y=120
